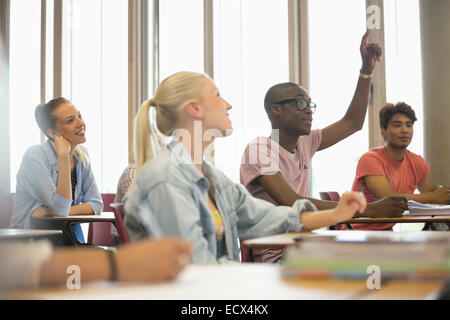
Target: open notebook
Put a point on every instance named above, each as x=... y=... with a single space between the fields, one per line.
x=420 y=209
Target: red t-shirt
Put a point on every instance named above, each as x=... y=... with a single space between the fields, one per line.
x=402 y=176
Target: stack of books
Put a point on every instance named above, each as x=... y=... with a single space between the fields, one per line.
x=421 y=209
x=394 y=255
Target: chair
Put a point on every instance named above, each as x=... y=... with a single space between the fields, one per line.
x=99 y=233
x=6 y=209
x=246 y=253
x=120 y=225
x=330 y=196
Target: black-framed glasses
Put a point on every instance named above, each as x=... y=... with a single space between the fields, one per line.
x=301 y=104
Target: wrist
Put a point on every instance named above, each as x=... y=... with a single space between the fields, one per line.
x=335 y=216
x=63 y=156
x=366 y=70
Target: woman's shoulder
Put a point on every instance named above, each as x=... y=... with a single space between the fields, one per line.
x=156 y=170
x=38 y=152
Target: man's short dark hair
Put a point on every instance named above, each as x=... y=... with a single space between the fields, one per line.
x=272 y=94
x=389 y=110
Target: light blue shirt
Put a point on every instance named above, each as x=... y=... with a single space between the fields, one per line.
x=169 y=198
x=36 y=186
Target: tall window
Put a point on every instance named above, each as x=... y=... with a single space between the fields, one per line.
x=24 y=80
x=251 y=55
x=403 y=61
x=95 y=79
x=403 y=69
x=335 y=35
x=181 y=36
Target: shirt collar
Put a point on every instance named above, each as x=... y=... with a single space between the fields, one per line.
x=52 y=155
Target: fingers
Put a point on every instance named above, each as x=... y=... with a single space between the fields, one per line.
x=364 y=38
x=401 y=202
x=356 y=200
x=374 y=50
x=380 y=52
x=37 y=213
x=181 y=246
x=41 y=212
x=178 y=253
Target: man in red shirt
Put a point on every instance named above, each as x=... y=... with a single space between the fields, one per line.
x=394 y=170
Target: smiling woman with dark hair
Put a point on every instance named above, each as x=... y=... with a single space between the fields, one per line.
x=56 y=178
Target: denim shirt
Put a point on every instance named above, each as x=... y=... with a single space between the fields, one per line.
x=169 y=198
x=36 y=186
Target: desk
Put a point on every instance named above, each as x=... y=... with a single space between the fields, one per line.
x=65 y=224
x=104 y=217
x=403 y=219
x=281 y=241
x=20 y=234
x=233 y=282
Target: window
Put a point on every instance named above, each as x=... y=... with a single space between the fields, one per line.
x=403 y=69
x=403 y=61
x=335 y=33
x=95 y=79
x=24 y=80
x=251 y=55
x=181 y=36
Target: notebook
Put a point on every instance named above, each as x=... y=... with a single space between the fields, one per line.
x=420 y=209
x=420 y=255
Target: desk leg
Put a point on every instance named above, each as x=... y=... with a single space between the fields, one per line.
x=436 y=226
x=59 y=240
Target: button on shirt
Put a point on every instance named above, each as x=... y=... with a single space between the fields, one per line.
x=36 y=186
x=169 y=198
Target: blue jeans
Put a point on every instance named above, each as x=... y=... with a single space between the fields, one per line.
x=76 y=229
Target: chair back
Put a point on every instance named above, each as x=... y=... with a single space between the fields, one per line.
x=100 y=232
x=120 y=225
x=330 y=196
x=6 y=209
x=246 y=253
x=324 y=196
x=107 y=199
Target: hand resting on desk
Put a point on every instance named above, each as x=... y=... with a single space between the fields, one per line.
x=43 y=212
x=390 y=206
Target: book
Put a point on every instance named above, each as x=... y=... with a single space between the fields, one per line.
x=395 y=257
x=421 y=209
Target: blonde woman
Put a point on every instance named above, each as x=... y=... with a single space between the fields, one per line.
x=56 y=178
x=177 y=193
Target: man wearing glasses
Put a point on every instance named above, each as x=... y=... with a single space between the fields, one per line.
x=277 y=168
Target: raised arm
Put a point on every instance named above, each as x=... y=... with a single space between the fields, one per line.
x=353 y=119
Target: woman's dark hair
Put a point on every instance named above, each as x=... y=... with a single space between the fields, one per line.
x=389 y=110
x=43 y=114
